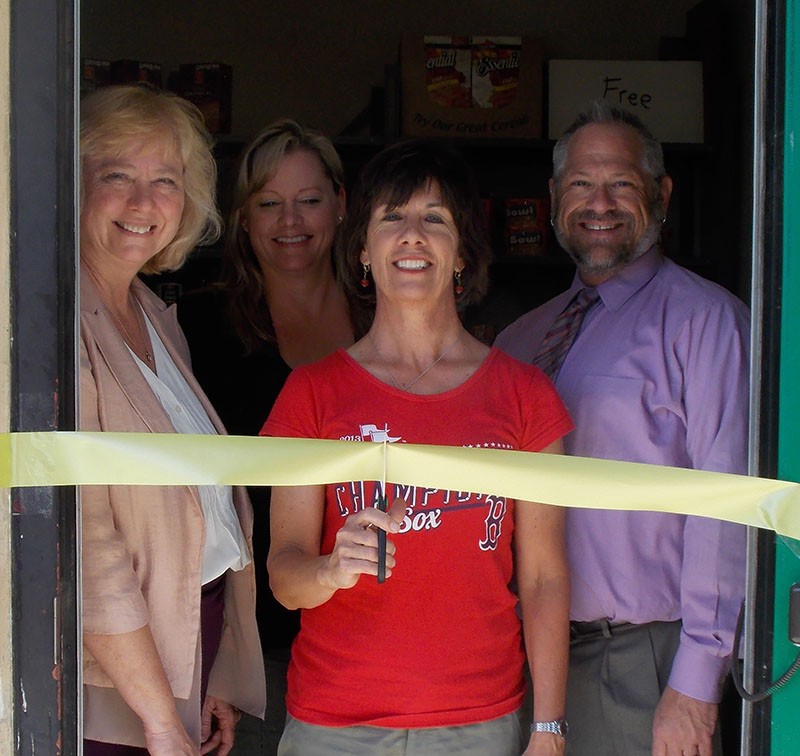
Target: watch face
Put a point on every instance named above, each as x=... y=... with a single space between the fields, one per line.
x=563 y=728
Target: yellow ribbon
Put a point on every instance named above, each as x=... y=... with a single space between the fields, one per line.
x=159 y=459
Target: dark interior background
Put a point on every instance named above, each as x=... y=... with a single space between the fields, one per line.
x=334 y=66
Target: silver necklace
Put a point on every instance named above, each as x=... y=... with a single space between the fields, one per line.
x=139 y=321
x=424 y=372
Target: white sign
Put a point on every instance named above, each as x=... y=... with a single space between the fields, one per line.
x=666 y=95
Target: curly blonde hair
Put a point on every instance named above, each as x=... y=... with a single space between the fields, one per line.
x=113 y=117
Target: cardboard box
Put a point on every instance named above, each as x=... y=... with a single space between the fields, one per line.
x=210 y=87
x=505 y=87
x=126 y=71
x=94 y=74
x=666 y=95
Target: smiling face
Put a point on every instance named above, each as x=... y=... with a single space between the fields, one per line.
x=413 y=249
x=132 y=204
x=607 y=210
x=291 y=221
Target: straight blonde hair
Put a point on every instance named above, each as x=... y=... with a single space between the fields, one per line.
x=241 y=276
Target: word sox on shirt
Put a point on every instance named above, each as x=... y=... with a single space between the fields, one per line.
x=426 y=507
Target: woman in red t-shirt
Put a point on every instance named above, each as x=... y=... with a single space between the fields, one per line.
x=432 y=660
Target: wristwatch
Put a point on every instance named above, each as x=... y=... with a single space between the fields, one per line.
x=557 y=727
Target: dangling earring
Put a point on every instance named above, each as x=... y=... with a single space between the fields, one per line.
x=339 y=218
x=364 y=280
x=459 y=289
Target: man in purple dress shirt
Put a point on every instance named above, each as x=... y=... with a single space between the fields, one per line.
x=658 y=373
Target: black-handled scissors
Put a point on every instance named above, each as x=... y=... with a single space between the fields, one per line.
x=382 y=505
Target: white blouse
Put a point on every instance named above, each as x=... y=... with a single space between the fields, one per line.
x=225 y=544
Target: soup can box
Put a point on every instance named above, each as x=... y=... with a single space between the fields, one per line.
x=527 y=224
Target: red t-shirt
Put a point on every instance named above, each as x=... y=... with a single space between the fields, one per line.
x=439 y=643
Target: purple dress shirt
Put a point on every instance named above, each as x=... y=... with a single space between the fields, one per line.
x=659 y=374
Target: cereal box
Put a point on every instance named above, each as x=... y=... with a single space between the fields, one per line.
x=490 y=88
x=126 y=71
x=94 y=74
x=448 y=67
x=209 y=86
x=495 y=70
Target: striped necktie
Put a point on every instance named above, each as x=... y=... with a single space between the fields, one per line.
x=562 y=333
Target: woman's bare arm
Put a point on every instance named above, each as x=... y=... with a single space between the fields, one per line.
x=301 y=577
x=131 y=661
x=543 y=581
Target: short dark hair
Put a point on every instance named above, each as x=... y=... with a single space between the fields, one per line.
x=601 y=111
x=390 y=179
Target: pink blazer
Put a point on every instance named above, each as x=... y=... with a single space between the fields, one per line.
x=143 y=545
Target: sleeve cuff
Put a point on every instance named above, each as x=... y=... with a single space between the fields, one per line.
x=113 y=616
x=698 y=674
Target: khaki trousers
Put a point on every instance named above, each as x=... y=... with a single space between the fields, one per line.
x=498 y=737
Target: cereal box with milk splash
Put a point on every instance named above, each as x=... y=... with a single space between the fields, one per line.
x=448 y=68
x=495 y=70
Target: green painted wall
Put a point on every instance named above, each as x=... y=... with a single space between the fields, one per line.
x=786 y=702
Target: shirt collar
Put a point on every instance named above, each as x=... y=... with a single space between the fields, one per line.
x=621 y=287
